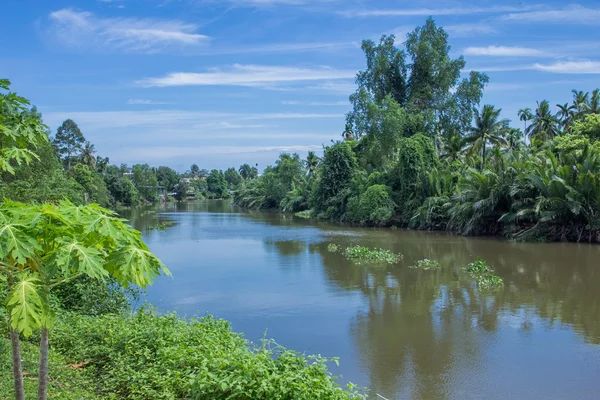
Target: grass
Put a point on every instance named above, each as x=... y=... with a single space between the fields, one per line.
x=426 y=264
x=333 y=248
x=360 y=254
x=484 y=275
x=307 y=214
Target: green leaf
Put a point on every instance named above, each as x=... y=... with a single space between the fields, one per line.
x=15 y=243
x=26 y=305
x=72 y=258
x=133 y=264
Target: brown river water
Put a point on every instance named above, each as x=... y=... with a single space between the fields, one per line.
x=404 y=333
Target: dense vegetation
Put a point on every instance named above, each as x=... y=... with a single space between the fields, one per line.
x=69 y=269
x=419 y=151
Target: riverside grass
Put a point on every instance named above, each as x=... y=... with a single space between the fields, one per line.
x=146 y=355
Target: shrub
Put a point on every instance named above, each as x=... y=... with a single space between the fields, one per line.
x=360 y=254
x=148 y=356
x=373 y=206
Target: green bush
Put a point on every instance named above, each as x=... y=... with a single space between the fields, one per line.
x=374 y=206
x=148 y=356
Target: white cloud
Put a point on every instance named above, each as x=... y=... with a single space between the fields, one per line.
x=124 y=119
x=283 y=48
x=315 y=103
x=83 y=30
x=164 y=152
x=503 y=51
x=574 y=13
x=144 y=101
x=560 y=67
x=462 y=30
x=408 y=12
x=246 y=75
x=571 y=67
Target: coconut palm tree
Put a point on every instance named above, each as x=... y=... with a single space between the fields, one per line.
x=593 y=106
x=566 y=114
x=488 y=128
x=87 y=156
x=245 y=171
x=580 y=100
x=312 y=161
x=525 y=115
x=545 y=124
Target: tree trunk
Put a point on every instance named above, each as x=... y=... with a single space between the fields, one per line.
x=43 y=368
x=16 y=361
x=483 y=157
x=16 y=355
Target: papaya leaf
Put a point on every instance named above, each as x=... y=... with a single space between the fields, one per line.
x=26 y=305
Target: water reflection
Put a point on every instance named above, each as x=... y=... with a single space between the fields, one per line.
x=410 y=333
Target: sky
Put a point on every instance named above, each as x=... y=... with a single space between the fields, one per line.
x=224 y=82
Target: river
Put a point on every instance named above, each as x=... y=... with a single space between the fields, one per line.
x=405 y=333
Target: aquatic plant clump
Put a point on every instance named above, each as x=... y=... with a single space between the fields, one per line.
x=333 y=248
x=484 y=275
x=360 y=254
x=426 y=264
x=306 y=214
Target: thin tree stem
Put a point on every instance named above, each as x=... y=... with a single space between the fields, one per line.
x=43 y=368
x=16 y=355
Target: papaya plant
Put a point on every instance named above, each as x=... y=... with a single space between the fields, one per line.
x=43 y=246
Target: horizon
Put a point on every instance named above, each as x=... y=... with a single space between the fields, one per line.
x=220 y=84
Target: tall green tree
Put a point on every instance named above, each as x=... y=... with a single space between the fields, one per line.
x=194 y=171
x=167 y=177
x=525 y=115
x=233 y=178
x=312 y=162
x=87 y=156
x=20 y=130
x=488 y=128
x=145 y=181
x=43 y=246
x=68 y=141
x=248 y=172
x=545 y=124
x=217 y=185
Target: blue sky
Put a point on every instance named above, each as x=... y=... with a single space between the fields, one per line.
x=222 y=82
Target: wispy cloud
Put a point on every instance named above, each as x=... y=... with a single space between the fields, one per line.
x=283 y=48
x=83 y=30
x=504 y=51
x=559 y=67
x=315 y=103
x=269 y=3
x=246 y=75
x=144 y=101
x=574 y=13
x=571 y=67
x=125 y=119
x=408 y=12
x=466 y=30
x=162 y=152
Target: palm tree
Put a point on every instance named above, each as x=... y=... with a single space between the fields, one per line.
x=312 y=161
x=580 y=100
x=452 y=147
x=566 y=115
x=525 y=115
x=488 y=128
x=593 y=106
x=245 y=171
x=514 y=138
x=545 y=124
x=87 y=156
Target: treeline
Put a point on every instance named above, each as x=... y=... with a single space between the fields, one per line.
x=419 y=151
x=66 y=166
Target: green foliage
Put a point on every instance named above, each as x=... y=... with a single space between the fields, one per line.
x=248 y=172
x=588 y=127
x=362 y=255
x=216 y=185
x=167 y=177
x=21 y=129
x=332 y=185
x=121 y=188
x=484 y=275
x=164 y=357
x=333 y=248
x=68 y=141
x=93 y=184
x=426 y=264
x=306 y=214
x=42 y=246
x=233 y=178
x=145 y=181
x=374 y=206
